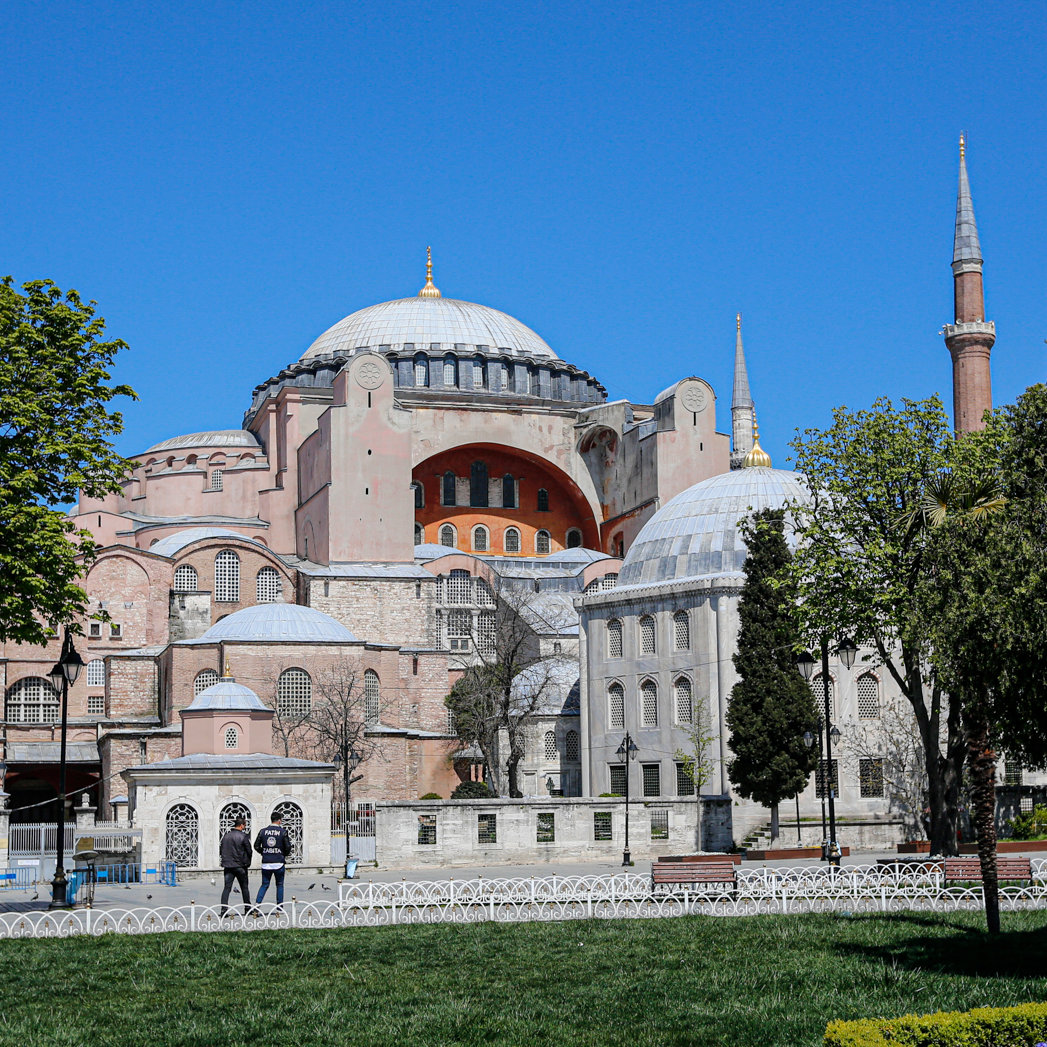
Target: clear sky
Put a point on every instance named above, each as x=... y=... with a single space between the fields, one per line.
x=229 y=180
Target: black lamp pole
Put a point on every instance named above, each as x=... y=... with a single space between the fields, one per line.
x=63 y=673
x=834 y=850
x=808 y=740
x=627 y=752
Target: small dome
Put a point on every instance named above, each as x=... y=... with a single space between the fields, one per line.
x=577 y=554
x=423 y=322
x=287 y=622
x=214 y=438
x=695 y=534
x=226 y=694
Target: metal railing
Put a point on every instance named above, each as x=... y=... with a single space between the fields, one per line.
x=19 y=878
x=37 y=837
x=165 y=873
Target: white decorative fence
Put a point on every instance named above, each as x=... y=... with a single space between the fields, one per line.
x=619 y=896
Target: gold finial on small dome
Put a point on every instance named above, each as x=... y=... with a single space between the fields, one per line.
x=228 y=674
x=963 y=145
x=757 y=458
x=430 y=290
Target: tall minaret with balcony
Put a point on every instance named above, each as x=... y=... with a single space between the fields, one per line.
x=742 y=409
x=970 y=338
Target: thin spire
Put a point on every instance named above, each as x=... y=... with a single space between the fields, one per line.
x=430 y=290
x=966 y=248
x=741 y=396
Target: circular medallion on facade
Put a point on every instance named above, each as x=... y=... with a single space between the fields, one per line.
x=370 y=375
x=693 y=397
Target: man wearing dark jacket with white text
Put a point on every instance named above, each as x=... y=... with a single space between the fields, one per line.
x=235 y=854
x=274 y=845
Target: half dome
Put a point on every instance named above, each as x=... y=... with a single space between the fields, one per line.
x=286 y=622
x=424 y=322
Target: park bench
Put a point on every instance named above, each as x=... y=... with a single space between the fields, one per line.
x=969 y=870
x=692 y=874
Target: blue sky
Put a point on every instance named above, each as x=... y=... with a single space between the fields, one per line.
x=228 y=180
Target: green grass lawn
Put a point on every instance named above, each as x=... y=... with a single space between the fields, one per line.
x=772 y=980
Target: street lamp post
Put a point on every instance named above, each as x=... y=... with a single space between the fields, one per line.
x=626 y=752
x=808 y=740
x=349 y=759
x=63 y=673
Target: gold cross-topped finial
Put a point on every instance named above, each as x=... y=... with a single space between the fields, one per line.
x=963 y=145
x=738 y=321
x=430 y=290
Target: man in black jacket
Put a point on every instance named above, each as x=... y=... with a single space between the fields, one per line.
x=235 y=854
x=274 y=845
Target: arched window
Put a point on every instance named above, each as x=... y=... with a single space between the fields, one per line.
x=551 y=752
x=541 y=543
x=448 y=495
x=574 y=538
x=421 y=371
x=507 y=380
x=684 y=703
x=616 y=705
x=868 y=697
x=185 y=579
x=294 y=693
x=572 y=751
x=227 y=577
x=448 y=536
x=512 y=540
x=182 y=836
x=647 y=635
x=543 y=500
x=459 y=586
x=96 y=673
x=419 y=495
x=535 y=385
x=508 y=491
x=681 y=631
x=232 y=737
x=371 y=696
x=478 y=373
x=206 y=678
x=419 y=534
x=268 y=585
x=216 y=479
x=479 y=488
x=32 y=700
x=649 y=703
x=819 y=697
x=614 y=638
x=294 y=823
x=230 y=814
x=481 y=541
x=450 y=372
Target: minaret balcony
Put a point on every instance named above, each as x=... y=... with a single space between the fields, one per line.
x=983 y=329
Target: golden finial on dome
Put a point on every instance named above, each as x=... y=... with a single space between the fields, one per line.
x=963 y=145
x=757 y=458
x=228 y=674
x=430 y=290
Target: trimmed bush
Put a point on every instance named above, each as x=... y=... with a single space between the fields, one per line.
x=431 y=796
x=472 y=791
x=1021 y=1026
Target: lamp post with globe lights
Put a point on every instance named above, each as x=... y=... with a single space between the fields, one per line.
x=626 y=752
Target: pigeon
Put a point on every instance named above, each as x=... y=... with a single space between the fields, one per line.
x=35 y=896
x=127 y=886
x=213 y=881
x=325 y=887
x=311 y=886
x=148 y=897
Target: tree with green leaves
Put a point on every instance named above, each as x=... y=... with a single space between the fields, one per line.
x=857 y=571
x=698 y=759
x=56 y=433
x=771 y=707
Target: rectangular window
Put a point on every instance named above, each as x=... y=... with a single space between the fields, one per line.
x=96 y=705
x=96 y=673
x=870 y=776
x=1012 y=772
x=820 y=778
x=216 y=479
x=94 y=631
x=546 y=827
x=487 y=828
x=601 y=825
x=427 y=829
x=659 y=825
x=617 y=779
x=115 y=630
x=617 y=699
x=684 y=782
x=652 y=779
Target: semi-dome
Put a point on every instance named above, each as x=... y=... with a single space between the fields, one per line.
x=212 y=438
x=226 y=694
x=423 y=322
x=175 y=543
x=696 y=534
x=287 y=622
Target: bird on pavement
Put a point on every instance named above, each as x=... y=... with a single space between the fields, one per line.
x=325 y=887
x=311 y=886
x=213 y=881
x=148 y=897
x=35 y=896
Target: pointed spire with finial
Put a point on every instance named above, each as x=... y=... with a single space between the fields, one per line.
x=430 y=290
x=742 y=414
x=967 y=251
x=757 y=458
x=741 y=396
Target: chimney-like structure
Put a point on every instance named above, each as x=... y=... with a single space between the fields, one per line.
x=970 y=338
x=742 y=409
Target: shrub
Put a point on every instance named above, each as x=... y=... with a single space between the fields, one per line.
x=431 y=796
x=472 y=791
x=1018 y=1026
x=1030 y=826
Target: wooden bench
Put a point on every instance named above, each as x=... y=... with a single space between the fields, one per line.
x=969 y=870
x=686 y=874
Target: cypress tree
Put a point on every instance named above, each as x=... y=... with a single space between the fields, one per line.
x=771 y=706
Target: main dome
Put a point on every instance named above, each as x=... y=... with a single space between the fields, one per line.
x=423 y=322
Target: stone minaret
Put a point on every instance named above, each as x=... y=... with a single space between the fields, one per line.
x=970 y=338
x=742 y=411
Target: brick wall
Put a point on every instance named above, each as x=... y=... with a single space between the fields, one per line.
x=380 y=610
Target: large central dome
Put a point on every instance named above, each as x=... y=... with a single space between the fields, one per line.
x=423 y=322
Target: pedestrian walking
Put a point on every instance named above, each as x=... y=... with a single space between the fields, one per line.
x=235 y=854
x=273 y=843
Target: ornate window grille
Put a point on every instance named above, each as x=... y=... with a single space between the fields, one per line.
x=427 y=829
x=32 y=700
x=541 y=543
x=647 y=638
x=820 y=778
x=618 y=773
x=227 y=577
x=649 y=703
x=546 y=827
x=819 y=696
x=448 y=537
x=230 y=814
x=551 y=752
x=294 y=693
x=185 y=579
x=616 y=701
x=614 y=638
x=870 y=777
x=268 y=585
x=684 y=701
x=96 y=705
x=868 y=697
x=682 y=631
x=652 y=779
x=182 y=836
x=204 y=679
x=96 y=673
x=486 y=630
x=608 y=581
x=294 y=823
x=601 y=825
x=480 y=539
x=512 y=540
x=484 y=596
x=459 y=586
x=660 y=825
x=372 y=691
x=232 y=738
x=487 y=828
x=572 y=750
x=684 y=782
x=543 y=500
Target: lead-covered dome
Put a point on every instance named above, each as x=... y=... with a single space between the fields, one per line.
x=423 y=322
x=287 y=622
x=696 y=535
x=227 y=695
